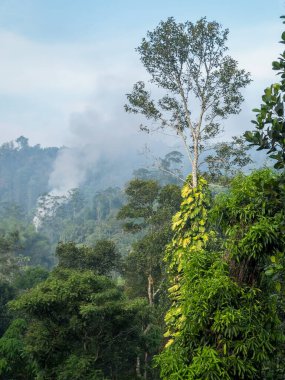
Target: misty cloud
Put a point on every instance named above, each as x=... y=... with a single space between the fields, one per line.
x=47 y=82
x=107 y=146
x=70 y=169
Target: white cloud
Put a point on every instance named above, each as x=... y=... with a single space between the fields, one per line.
x=27 y=67
x=255 y=47
x=58 y=80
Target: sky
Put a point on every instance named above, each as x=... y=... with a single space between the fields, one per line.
x=66 y=65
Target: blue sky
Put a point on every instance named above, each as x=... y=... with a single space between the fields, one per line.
x=66 y=65
x=83 y=20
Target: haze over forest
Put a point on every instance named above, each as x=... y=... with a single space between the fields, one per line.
x=65 y=73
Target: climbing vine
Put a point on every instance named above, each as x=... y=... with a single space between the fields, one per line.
x=225 y=319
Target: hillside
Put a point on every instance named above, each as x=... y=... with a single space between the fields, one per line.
x=24 y=172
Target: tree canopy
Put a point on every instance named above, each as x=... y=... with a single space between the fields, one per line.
x=200 y=82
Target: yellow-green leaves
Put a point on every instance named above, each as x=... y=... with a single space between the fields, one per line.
x=226 y=293
x=190 y=238
x=278 y=286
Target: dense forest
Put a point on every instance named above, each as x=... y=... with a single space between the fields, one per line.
x=170 y=276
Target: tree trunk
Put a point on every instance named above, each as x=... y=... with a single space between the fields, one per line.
x=145 y=365
x=195 y=168
x=138 y=368
x=150 y=289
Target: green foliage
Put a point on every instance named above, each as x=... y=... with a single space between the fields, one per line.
x=25 y=242
x=85 y=219
x=36 y=247
x=153 y=206
x=251 y=216
x=24 y=172
x=145 y=260
x=78 y=368
x=7 y=293
x=225 y=321
x=141 y=199
x=29 y=277
x=105 y=202
x=74 y=321
x=16 y=363
x=174 y=54
x=103 y=258
x=269 y=123
x=189 y=223
x=252 y=220
x=9 y=262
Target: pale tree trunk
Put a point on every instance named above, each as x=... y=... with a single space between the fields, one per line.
x=150 y=293
x=145 y=365
x=150 y=289
x=138 y=368
x=196 y=136
x=194 y=131
x=195 y=165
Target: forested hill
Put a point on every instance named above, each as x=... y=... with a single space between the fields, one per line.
x=24 y=172
x=82 y=215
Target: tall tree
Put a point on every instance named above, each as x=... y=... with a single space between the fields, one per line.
x=201 y=84
x=227 y=271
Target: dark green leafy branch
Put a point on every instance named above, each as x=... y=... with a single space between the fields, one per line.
x=270 y=118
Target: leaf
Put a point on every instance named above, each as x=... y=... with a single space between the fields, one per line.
x=169 y=343
x=275 y=65
x=269 y=272
x=173 y=288
x=167 y=334
x=185 y=191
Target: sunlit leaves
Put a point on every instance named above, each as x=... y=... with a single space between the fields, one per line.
x=227 y=290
